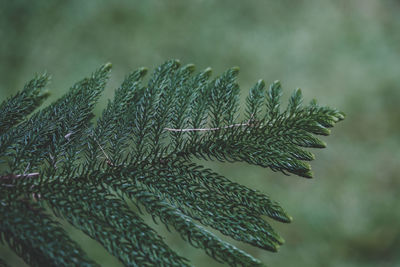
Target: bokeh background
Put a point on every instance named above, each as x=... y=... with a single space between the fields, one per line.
x=344 y=53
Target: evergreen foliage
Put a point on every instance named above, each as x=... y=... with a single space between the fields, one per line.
x=141 y=148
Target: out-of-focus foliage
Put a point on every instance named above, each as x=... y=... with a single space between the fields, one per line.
x=345 y=53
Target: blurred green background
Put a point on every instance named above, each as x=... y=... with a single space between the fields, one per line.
x=344 y=53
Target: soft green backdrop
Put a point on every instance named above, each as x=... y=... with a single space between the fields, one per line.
x=344 y=53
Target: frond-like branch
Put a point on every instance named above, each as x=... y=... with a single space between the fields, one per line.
x=141 y=150
x=36 y=238
x=16 y=108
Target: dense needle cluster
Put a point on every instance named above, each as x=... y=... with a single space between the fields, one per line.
x=141 y=149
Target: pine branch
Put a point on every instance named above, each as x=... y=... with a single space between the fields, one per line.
x=141 y=148
x=196 y=235
x=197 y=201
x=108 y=220
x=16 y=108
x=145 y=111
x=36 y=238
x=236 y=193
x=114 y=127
x=43 y=136
x=273 y=141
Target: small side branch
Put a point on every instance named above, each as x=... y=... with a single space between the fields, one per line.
x=16 y=176
x=9 y=177
x=108 y=160
x=207 y=129
x=249 y=123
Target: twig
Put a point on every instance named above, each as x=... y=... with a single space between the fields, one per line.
x=16 y=176
x=206 y=129
x=108 y=160
x=248 y=123
x=27 y=168
x=68 y=135
x=35 y=196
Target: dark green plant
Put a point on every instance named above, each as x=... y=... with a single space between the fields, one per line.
x=141 y=148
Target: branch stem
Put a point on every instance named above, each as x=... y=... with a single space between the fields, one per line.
x=16 y=176
x=211 y=129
